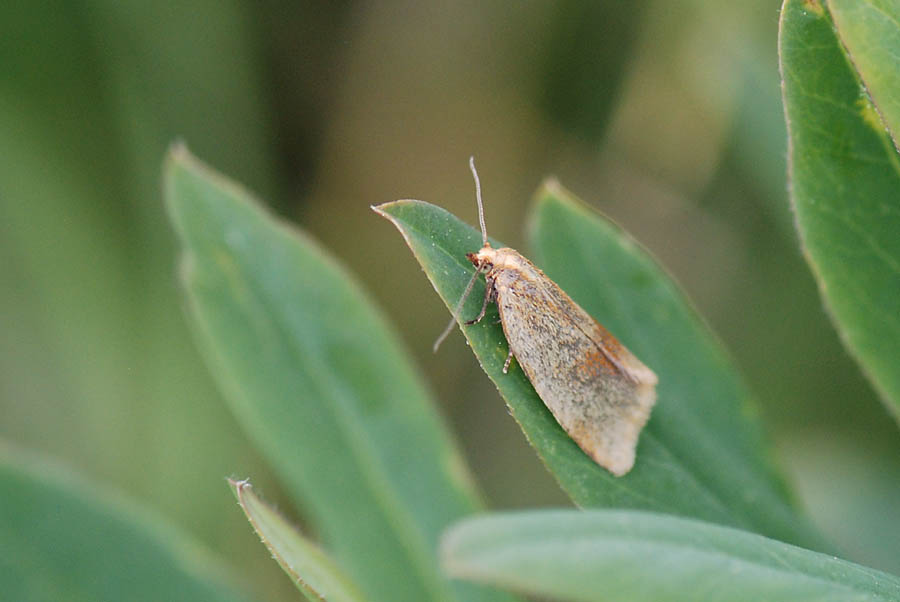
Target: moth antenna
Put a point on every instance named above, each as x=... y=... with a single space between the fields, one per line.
x=484 y=239
x=456 y=311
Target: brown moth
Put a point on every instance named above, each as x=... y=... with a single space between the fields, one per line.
x=597 y=390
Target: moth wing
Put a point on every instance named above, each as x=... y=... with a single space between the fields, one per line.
x=597 y=390
x=614 y=351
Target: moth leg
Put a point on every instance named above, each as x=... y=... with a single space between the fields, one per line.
x=488 y=297
x=509 y=357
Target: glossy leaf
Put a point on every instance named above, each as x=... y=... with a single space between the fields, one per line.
x=63 y=539
x=641 y=556
x=322 y=386
x=841 y=81
x=711 y=469
x=312 y=571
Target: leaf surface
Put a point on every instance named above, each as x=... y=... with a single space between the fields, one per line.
x=645 y=557
x=718 y=475
x=309 y=567
x=841 y=83
x=322 y=386
x=704 y=439
x=61 y=538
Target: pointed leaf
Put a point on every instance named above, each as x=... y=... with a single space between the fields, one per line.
x=703 y=439
x=312 y=571
x=841 y=82
x=64 y=539
x=322 y=385
x=641 y=556
x=660 y=480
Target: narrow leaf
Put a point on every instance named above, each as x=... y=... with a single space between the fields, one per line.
x=640 y=556
x=312 y=571
x=63 y=539
x=660 y=480
x=845 y=170
x=322 y=385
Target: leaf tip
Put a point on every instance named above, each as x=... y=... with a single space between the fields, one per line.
x=386 y=210
x=389 y=212
x=551 y=190
x=550 y=184
x=178 y=150
x=239 y=487
x=380 y=209
x=177 y=155
x=177 y=162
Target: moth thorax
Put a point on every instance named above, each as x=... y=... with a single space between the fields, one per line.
x=501 y=259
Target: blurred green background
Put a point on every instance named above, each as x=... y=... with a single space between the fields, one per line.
x=666 y=116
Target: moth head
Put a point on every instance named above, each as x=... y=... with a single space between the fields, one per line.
x=484 y=259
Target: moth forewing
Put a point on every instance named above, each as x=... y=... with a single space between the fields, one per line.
x=597 y=390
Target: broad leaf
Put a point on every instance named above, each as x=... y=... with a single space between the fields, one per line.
x=322 y=385
x=641 y=556
x=703 y=439
x=312 y=571
x=63 y=539
x=842 y=111
x=693 y=478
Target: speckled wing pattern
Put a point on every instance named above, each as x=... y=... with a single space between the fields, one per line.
x=597 y=390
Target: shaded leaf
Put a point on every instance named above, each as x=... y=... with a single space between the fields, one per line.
x=704 y=439
x=845 y=170
x=321 y=385
x=62 y=539
x=692 y=479
x=312 y=571
x=588 y=48
x=641 y=556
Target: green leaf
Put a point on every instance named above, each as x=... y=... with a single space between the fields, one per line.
x=716 y=475
x=845 y=171
x=641 y=556
x=584 y=63
x=312 y=571
x=704 y=453
x=869 y=31
x=62 y=539
x=322 y=386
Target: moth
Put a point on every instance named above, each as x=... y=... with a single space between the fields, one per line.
x=598 y=391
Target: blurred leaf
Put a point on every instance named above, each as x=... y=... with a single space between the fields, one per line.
x=844 y=171
x=94 y=347
x=589 y=45
x=323 y=387
x=61 y=539
x=637 y=556
x=311 y=570
x=709 y=469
